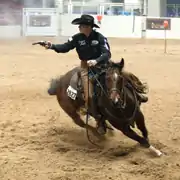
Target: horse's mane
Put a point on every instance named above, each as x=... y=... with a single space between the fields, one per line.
x=135 y=82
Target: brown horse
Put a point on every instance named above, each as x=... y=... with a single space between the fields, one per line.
x=116 y=97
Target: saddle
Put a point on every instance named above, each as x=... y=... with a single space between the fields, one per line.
x=75 y=89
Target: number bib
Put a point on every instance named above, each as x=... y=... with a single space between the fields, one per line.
x=71 y=92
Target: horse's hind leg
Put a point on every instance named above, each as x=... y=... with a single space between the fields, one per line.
x=140 y=122
x=78 y=121
x=133 y=135
x=71 y=111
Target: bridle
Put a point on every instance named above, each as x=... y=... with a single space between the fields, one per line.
x=123 y=96
x=107 y=92
x=121 y=91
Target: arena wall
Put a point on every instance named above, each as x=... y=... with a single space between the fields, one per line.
x=129 y=27
x=50 y=22
x=13 y=31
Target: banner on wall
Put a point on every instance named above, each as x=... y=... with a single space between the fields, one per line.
x=40 y=21
x=157 y=23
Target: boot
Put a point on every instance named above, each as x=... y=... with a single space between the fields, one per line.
x=94 y=108
x=101 y=125
x=142 y=98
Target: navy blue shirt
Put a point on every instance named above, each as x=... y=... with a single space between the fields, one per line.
x=94 y=47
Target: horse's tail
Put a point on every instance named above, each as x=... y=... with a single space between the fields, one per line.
x=54 y=84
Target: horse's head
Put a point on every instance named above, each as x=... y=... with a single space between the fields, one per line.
x=115 y=82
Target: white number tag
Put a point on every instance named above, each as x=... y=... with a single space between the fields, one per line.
x=71 y=92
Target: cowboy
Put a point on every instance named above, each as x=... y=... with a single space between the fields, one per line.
x=92 y=48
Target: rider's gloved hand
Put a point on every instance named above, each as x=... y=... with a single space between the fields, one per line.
x=48 y=44
x=91 y=63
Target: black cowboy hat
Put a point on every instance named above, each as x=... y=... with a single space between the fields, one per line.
x=85 y=19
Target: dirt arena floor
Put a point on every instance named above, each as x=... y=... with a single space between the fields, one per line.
x=38 y=141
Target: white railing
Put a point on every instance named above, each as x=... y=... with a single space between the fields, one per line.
x=103 y=8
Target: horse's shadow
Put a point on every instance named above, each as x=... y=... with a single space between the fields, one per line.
x=73 y=136
x=74 y=139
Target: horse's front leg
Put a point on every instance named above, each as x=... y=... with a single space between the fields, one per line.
x=140 y=122
x=126 y=130
x=142 y=140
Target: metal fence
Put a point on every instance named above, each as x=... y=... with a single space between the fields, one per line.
x=137 y=9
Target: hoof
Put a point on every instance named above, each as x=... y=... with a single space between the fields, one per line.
x=101 y=130
x=156 y=151
x=145 y=145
